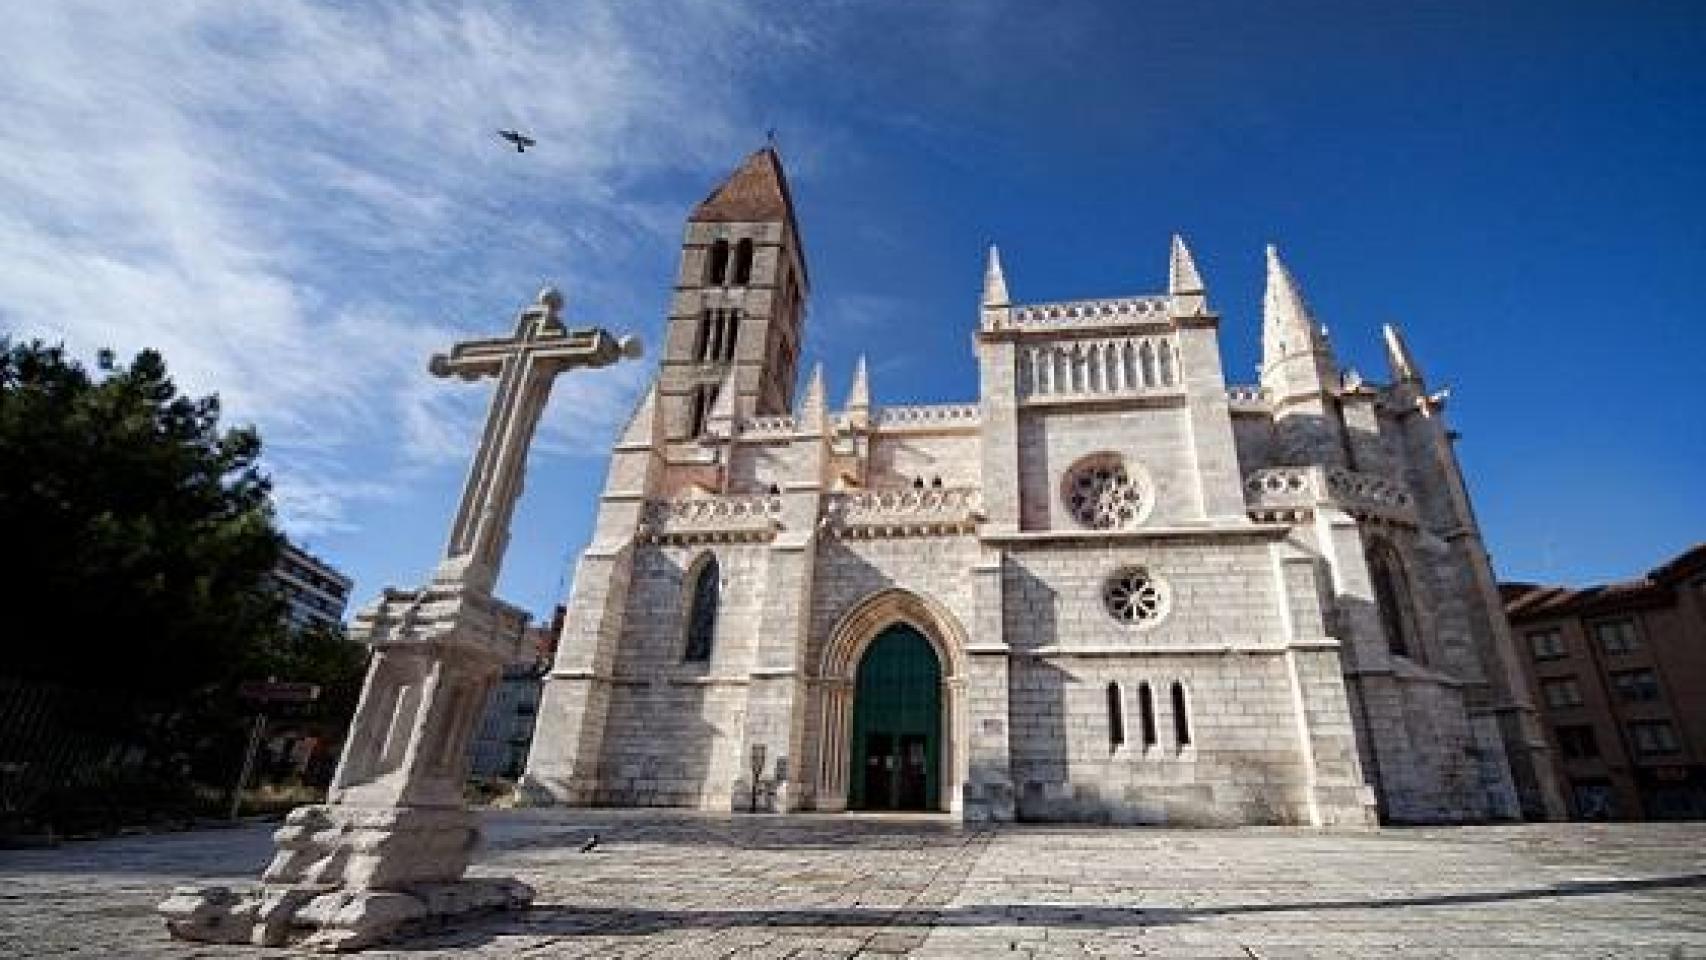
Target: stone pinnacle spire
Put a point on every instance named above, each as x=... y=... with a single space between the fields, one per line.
x=813 y=407
x=1283 y=308
x=995 y=281
x=859 y=395
x=1399 y=358
x=1182 y=276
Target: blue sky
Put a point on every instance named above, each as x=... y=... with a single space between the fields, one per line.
x=299 y=202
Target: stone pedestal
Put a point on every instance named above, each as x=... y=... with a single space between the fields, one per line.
x=390 y=847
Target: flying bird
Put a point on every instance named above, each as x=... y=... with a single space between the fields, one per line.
x=521 y=140
x=590 y=844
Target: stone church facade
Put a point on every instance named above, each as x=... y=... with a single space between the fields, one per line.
x=1110 y=587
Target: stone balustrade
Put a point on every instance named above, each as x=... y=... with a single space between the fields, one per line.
x=1245 y=396
x=928 y=417
x=778 y=425
x=712 y=519
x=1090 y=313
x=905 y=512
x=1293 y=493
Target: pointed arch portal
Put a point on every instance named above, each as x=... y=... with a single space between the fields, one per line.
x=891 y=707
x=896 y=748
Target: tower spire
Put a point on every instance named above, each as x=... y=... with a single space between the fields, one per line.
x=1296 y=356
x=995 y=281
x=859 y=395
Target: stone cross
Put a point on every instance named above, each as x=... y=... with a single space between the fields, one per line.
x=525 y=364
x=390 y=845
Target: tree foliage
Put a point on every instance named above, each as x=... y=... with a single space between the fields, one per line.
x=140 y=531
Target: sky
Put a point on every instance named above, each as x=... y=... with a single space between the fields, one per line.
x=299 y=202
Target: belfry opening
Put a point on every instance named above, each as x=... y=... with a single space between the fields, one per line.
x=896 y=750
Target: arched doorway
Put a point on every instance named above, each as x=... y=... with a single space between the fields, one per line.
x=896 y=748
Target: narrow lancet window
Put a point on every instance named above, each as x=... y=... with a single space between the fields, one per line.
x=1146 y=715
x=702 y=613
x=718 y=269
x=732 y=337
x=743 y=263
x=1116 y=717
x=1181 y=718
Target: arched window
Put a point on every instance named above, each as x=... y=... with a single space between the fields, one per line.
x=1392 y=596
x=1166 y=363
x=732 y=335
x=702 y=613
x=1146 y=360
x=1116 y=717
x=717 y=269
x=1146 y=714
x=743 y=263
x=702 y=339
x=1181 y=719
x=704 y=398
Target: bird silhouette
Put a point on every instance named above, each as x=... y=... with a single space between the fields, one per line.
x=521 y=140
x=590 y=845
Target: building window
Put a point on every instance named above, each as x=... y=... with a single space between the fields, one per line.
x=1135 y=597
x=1392 y=597
x=1101 y=492
x=718 y=269
x=702 y=612
x=743 y=263
x=731 y=335
x=1146 y=714
x=1636 y=685
x=1617 y=636
x=1116 y=717
x=1594 y=800
x=1562 y=692
x=1181 y=716
x=1653 y=737
x=1547 y=644
x=1576 y=742
x=704 y=398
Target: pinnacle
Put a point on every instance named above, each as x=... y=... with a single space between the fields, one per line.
x=1182 y=275
x=995 y=281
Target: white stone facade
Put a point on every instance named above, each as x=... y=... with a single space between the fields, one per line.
x=1153 y=598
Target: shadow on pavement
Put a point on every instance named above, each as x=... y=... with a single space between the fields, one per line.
x=546 y=920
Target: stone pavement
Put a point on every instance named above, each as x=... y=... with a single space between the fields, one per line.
x=685 y=885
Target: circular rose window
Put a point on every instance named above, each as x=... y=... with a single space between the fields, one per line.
x=1134 y=596
x=1102 y=493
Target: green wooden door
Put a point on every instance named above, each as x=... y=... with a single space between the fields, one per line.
x=897 y=724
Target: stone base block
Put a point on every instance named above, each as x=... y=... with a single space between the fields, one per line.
x=330 y=920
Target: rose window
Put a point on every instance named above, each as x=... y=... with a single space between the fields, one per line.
x=1104 y=495
x=1134 y=596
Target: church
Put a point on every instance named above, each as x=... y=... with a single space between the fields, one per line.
x=1110 y=587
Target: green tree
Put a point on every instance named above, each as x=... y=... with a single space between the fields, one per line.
x=145 y=532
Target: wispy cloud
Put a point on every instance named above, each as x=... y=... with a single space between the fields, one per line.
x=298 y=202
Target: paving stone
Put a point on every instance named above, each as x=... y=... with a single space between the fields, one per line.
x=692 y=886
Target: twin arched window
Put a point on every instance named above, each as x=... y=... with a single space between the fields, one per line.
x=702 y=612
x=717 y=268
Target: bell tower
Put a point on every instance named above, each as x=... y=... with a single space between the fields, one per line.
x=736 y=318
